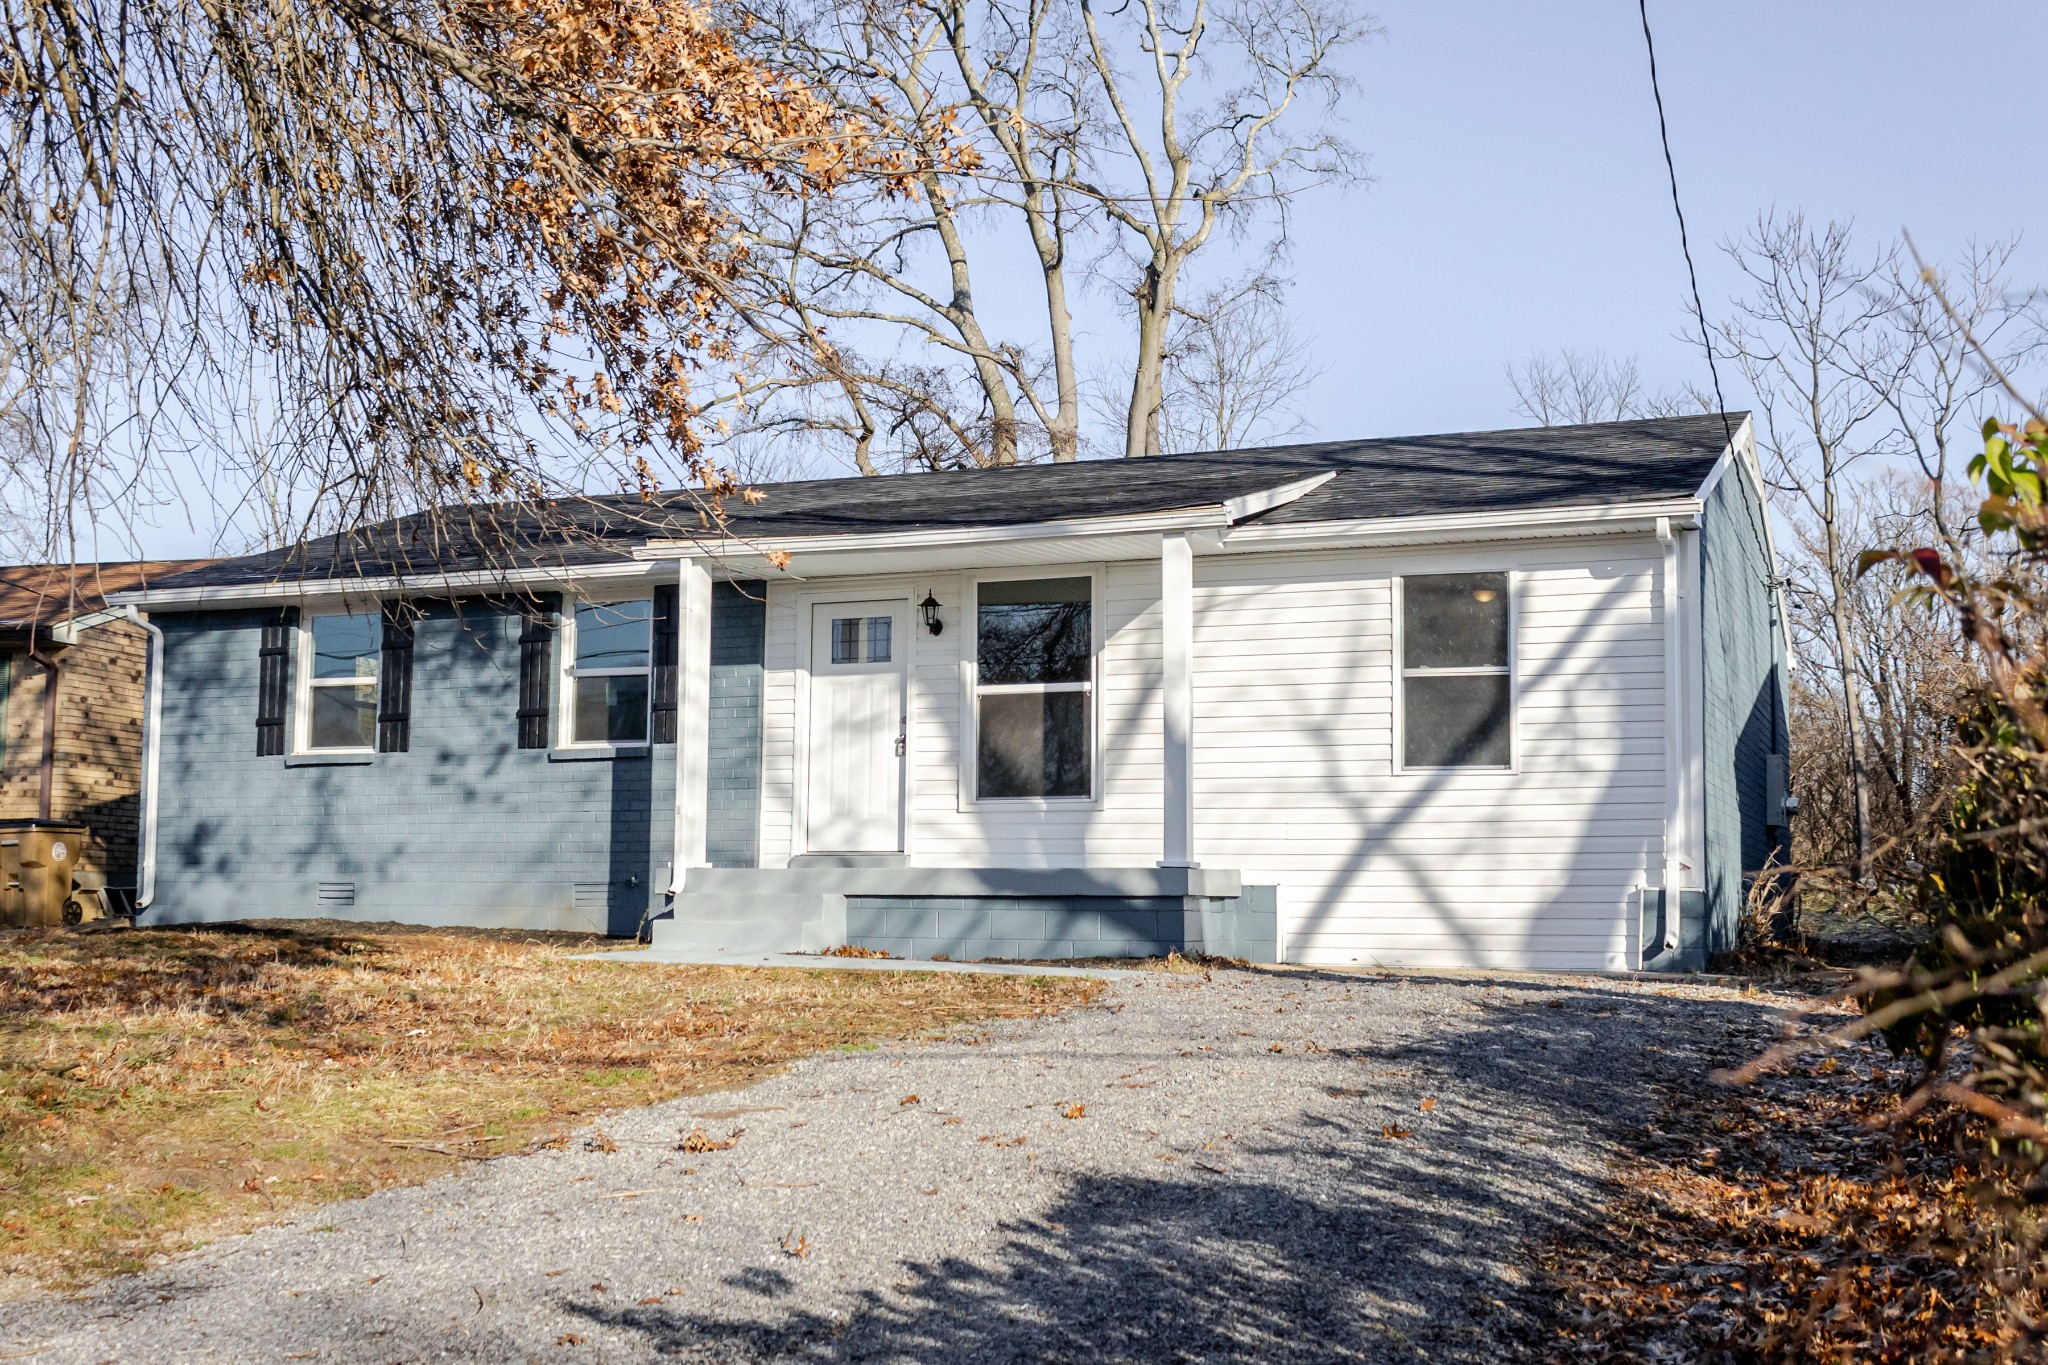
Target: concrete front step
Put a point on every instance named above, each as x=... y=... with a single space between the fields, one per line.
x=756 y=922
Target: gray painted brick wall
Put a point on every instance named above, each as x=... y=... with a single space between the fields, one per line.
x=1744 y=658
x=466 y=828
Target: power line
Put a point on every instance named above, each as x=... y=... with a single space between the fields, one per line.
x=1699 y=309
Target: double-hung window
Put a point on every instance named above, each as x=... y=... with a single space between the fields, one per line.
x=1457 y=685
x=1034 y=689
x=341 y=684
x=608 y=689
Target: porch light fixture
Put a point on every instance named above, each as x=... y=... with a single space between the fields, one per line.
x=930 y=610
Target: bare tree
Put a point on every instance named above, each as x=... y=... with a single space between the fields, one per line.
x=1852 y=368
x=1234 y=369
x=1574 y=387
x=462 y=250
x=879 y=290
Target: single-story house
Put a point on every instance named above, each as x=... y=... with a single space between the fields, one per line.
x=1507 y=699
x=71 y=705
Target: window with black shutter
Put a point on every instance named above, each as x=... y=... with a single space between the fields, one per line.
x=665 y=662
x=273 y=681
x=394 y=709
x=536 y=670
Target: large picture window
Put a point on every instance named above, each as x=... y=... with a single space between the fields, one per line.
x=1034 y=686
x=1457 y=689
x=608 y=674
x=341 y=683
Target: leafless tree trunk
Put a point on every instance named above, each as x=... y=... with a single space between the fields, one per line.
x=1059 y=159
x=1853 y=367
x=1207 y=159
x=1233 y=369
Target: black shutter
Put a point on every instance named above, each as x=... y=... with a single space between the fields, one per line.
x=665 y=663
x=394 y=682
x=274 y=682
x=536 y=670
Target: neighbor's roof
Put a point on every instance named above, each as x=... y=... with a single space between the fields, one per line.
x=1491 y=471
x=32 y=594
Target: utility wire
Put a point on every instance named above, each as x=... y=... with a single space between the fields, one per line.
x=1699 y=309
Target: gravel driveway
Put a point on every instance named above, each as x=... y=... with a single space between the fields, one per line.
x=1262 y=1166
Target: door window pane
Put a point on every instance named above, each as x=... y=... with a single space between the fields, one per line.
x=846 y=639
x=878 y=639
x=1033 y=744
x=346 y=646
x=614 y=634
x=1454 y=720
x=1455 y=620
x=1035 y=631
x=611 y=709
x=343 y=717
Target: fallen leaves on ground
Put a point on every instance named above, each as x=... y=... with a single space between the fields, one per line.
x=1076 y=1111
x=1797 y=1219
x=160 y=1087
x=697 y=1140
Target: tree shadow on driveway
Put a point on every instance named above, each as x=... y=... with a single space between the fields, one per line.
x=1355 y=1226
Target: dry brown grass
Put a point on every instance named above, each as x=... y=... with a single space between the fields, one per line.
x=163 y=1087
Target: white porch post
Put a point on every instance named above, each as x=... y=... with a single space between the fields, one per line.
x=693 y=719
x=1177 y=696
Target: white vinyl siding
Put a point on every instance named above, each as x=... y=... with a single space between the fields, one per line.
x=1295 y=778
x=1295 y=781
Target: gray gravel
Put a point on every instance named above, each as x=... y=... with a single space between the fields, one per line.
x=1228 y=1190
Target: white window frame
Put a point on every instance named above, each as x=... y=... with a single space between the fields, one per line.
x=565 y=715
x=972 y=689
x=1513 y=672
x=304 y=681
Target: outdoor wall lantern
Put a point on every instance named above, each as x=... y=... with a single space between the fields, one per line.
x=930 y=608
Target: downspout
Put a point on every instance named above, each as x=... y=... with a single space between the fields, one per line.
x=47 y=779
x=1674 y=740
x=152 y=750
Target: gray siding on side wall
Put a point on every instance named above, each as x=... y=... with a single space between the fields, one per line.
x=466 y=828
x=1744 y=658
x=739 y=623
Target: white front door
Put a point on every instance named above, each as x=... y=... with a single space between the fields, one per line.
x=854 y=799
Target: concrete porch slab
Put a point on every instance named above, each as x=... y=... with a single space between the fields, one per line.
x=817 y=962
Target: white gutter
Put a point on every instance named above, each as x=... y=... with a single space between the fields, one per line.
x=1209 y=517
x=1607 y=518
x=152 y=756
x=258 y=594
x=1674 y=711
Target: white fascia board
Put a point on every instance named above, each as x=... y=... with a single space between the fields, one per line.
x=1178 y=519
x=1742 y=447
x=1550 y=521
x=1251 y=504
x=424 y=585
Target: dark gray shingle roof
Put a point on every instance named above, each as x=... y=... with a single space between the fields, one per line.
x=1611 y=462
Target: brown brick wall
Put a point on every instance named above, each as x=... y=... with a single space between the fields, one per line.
x=99 y=742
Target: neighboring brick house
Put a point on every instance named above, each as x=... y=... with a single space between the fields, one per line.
x=57 y=616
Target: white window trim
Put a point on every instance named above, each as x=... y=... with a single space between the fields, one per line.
x=304 y=681
x=972 y=690
x=1513 y=671
x=565 y=706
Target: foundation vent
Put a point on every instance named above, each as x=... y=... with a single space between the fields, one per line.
x=335 y=895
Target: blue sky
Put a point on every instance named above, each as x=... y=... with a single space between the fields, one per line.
x=1519 y=204
x=1520 y=201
